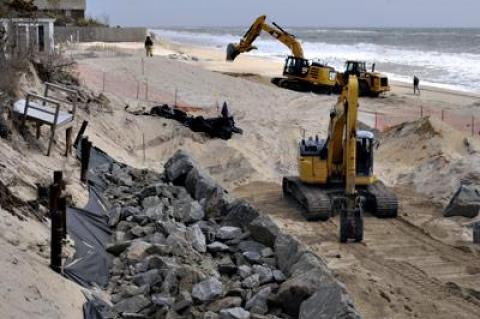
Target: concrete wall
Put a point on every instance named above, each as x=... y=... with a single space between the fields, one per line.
x=100 y=34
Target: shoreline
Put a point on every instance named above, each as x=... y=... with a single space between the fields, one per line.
x=268 y=63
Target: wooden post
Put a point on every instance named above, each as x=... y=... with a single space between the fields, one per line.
x=56 y=223
x=143 y=66
x=421 y=111
x=443 y=115
x=68 y=141
x=376 y=120
x=85 y=158
x=39 y=126
x=80 y=133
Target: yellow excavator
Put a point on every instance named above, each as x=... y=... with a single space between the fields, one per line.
x=300 y=74
x=371 y=83
x=306 y=75
x=336 y=174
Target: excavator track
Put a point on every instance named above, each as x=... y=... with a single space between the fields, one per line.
x=315 y=200
x=381 y=202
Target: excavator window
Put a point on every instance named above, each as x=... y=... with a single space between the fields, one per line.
x=365 y=156
x=296 y=66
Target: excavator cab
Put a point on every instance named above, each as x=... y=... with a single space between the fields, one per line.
x=297 y=67
x=365 y=150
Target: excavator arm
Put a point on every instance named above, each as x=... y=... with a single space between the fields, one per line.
x=246 y=43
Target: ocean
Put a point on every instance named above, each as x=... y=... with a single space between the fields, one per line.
x=444 y=58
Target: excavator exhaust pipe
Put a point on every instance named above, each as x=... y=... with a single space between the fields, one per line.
x=232 y=52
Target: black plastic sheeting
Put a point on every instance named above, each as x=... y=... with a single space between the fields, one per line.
x=220 y=127
x=88 y=227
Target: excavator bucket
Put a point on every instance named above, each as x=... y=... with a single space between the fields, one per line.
x=232 y=52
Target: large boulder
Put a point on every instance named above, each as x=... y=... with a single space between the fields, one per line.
x=207 y=290
x=328 y=302
x=465 y=202
x=228 y=232
x=240 y=214
x=199 y=184
x=216 y=202
x=137 y=251
x=297 y=289
x=264 y=230
x=178 y=166
x=188 y=212
x=288 y=251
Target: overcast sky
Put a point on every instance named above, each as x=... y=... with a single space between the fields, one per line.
x=346 y=13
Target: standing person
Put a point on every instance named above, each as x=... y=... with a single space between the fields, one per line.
x=416 y=82
x=149 y=46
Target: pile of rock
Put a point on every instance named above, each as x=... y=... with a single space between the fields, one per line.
x=184 y=249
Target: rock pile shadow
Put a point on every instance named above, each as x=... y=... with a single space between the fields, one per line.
x=183 y=248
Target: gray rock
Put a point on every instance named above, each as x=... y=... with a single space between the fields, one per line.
x=264 y=230
x=155 y=213
x=197 y=238
x=267 y=252
x=162 y=300
x=326 y=303
x=114 y=216
x=250 y=245
x=240 y=214
x=253 y=257
x=278 y=276
x=244 y=271
x=132 y=305
x=228 y=232
x=216 y=203
x=229 y=302
x=297 y=289
x=207 y=290
x=199 y=184
x=183 y=303
x=178 y=166
x=170 y=227
x=210 y=315
x=258 y=303
x=217 y=247
x=306 y=262
x=133 y=290
x=151 y=201
x=149 y=278
x=122 y=177
x=188 y=212
x=137 y=231
x=234 y=313
x=252 y=281
x=128 y=211
x=137 y=251
x=465 y=202
x=288 y=251
x=118 y=247
x=265 y=273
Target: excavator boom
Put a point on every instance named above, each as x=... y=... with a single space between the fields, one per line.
x=246 y=43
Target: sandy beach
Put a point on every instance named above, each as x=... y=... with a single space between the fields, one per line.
x=404 y=269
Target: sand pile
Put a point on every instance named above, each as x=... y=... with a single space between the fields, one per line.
x=429 y=156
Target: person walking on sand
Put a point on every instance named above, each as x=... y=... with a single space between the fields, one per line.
x=149 y=46
x=416 y=82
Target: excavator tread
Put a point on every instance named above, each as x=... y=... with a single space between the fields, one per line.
x=315 y=200
x=384 y=203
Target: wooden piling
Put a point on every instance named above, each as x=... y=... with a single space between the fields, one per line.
x=68 y=143
x=80 y=133
x=56 y=222
x=85 y=158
